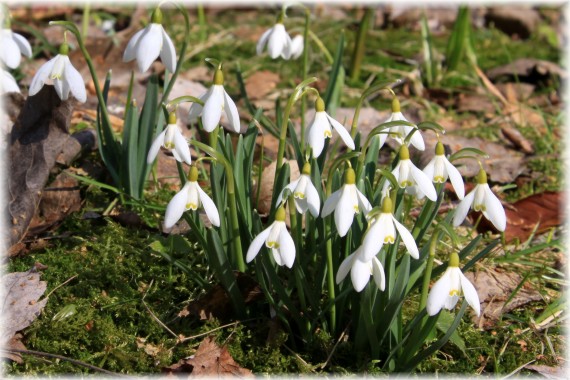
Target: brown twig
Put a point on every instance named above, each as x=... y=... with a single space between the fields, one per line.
x=154 y=316
x=73 y=361
x=60 y=285
x=334 y=347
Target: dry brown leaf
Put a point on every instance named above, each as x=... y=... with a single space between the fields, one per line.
x=261 y=83
x=494 y=287
x=518 y=140
x=527 y=69
x=209 y=360
x=267 y=179
x=549 y=372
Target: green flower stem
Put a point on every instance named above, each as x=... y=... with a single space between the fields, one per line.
x=358 y=51
x=85 y=19
x=296 y=240
x=379 y=87
x=234 y=222
x=202 y=22
x=214 y=137
x=429 y=268
x=305 y=71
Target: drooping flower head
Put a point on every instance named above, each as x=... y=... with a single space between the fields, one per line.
x=320 y=129
x=346 y=202
x=411 y=178
x=7 y=82
x=13 y=46
x=150 y=43
x=277 y=40
x=216 y=100
x=439 y=169
x=297 y=46
x=482 y=199
x=446 y=291
x=304 y=192
x=361 y=270
x=190 y=197
x=277 y=239
x=60 y=72
x=172 y=139
x=401 y=132
x=382 y=231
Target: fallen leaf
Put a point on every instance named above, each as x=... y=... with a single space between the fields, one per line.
x=514 y=136
x=209 y=360
x=549 y=372
x=539 y=211
x=21 y=292
x=261 y=83
x=494 y=287
x=528 y=70
x=267 y=179
x=516 y=92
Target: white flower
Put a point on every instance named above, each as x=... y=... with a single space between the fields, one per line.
x=481 y=198
x=7 y=82
x=400 y=132
x=147 y=44
x=446 y=291
x=190 y=197
x=277 y=238
x=216 y=100
x=297 y=46
x=304 y=192
x=60 y=72
x=382 y=231
x=361 y=270
x=277 y=40
x=172 y=139
x=408 y=176
x=439 y=169
x=13 y=46
x=320 y=129
x=346 y=202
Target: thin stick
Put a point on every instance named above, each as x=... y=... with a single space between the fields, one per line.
x=54 y=356
x=210 y=331
x=60 y=285
x=334 y=348
x=154 y=316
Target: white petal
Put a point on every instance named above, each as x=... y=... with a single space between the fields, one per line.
x=131 y=49
x=10 y=53
x=262 y=41
x=74 y=81
x=470 y=294
x=342 y=132
x=344 y=268
x=23 y=44
x=382 y=137
x=313 y=200
x=455 y=179
x=330 y=203
x=181 y=147
x=149 y=47
x=58 y=86
x=291 y=188
x=363 y=203
x=360 y=274
x=438 y=294
x=168 y=52
x=297 y=46
x=196 y=108
x=374 y=238
x=277 y=41
x=494 y=210
x=429 y=169
x=344 y=213
x=257 y=243
x=176 y=207
x=286 y=247
x=155 y=147
x=417 y=140
x=8 y=83
x=209 y=207
x=212 y=111
x=407 y=238
x=378 y=274
x=231 y=112
x=424 y=183
x=41 y=76
x=316 y=133
x=463 y=208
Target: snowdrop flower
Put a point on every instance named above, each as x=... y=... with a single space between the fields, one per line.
x=7 y=82
x=320 y=129
x=439 y=169
x=446 y=291
x=304 y=192
x=60 y=72
x=277 y=239
x=297 y=46
x=382 y=231
x=361 y=270
x=346 y=202
x=277 y=41
x=400 y=132
x=216 y=100
x=408 y=176
x=147 y=44
x=13 y=46
x=190 y=197
x=172 y=139
x=481 y=198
